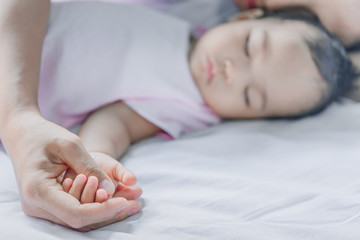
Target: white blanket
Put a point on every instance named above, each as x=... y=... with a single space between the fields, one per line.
x=239 y=180
x=244 y=180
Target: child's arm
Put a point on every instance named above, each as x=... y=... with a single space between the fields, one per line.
x=111 y=129
x=106 y=134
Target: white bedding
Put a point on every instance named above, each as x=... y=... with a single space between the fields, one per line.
x=239 y=180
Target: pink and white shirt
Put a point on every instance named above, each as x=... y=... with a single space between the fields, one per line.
x=97 y=53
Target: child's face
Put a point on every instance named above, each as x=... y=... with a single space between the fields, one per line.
x=257 y=68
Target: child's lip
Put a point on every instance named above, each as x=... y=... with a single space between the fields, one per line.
x=210 y=71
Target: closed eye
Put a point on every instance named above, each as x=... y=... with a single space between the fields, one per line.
x=246 y=95
x=246 y=47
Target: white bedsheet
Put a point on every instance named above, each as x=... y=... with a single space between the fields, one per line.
x=239 y=180
x=244 y=180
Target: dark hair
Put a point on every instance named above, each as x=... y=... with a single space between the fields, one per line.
x=330 y=57
x=354 y=48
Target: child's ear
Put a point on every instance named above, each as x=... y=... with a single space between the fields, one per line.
x=246 y=15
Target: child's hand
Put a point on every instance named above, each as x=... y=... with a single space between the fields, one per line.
x=86 y=190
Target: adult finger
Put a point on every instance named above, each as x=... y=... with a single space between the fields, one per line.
x=69 y=210
x=132 y=208
x=124 y=175
x=70 y=174
x=101 y=196
x=73 y=153
x=129 y=193
x=67 y=183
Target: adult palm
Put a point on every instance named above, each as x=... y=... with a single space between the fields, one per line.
x=41 y=151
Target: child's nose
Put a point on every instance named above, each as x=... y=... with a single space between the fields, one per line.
x=236 y=77
x=232 y=72
x=228 y=70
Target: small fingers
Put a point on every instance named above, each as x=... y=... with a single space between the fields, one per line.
x=67 y=183
x=72 y=151
x=78 y=186
x=101 y=196
x=88 y=194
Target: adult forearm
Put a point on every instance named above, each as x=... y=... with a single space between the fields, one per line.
x=277 y=4
x=22 y=30
x=272 y=4
x=339 y=17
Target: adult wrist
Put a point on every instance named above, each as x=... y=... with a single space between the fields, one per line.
x=10 y=110
x=13 y=121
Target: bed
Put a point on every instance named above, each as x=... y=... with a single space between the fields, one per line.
x=238 y=180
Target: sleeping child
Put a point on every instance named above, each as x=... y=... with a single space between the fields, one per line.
x=127 y=73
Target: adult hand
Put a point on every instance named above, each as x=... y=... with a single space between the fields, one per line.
x=340 y=17
x=123 y=179
x=41 y=151
x=271 y=4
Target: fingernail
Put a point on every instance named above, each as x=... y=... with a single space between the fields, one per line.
x=107 y=186
x=133 y=211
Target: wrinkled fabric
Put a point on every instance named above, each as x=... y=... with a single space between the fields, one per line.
x=99 y=53
x=253 y=180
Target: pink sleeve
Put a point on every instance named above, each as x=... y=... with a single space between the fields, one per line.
x=173 y=117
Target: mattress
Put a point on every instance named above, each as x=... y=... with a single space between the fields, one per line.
x=239 y=180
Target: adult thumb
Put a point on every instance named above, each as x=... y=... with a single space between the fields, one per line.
x=74 y=154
